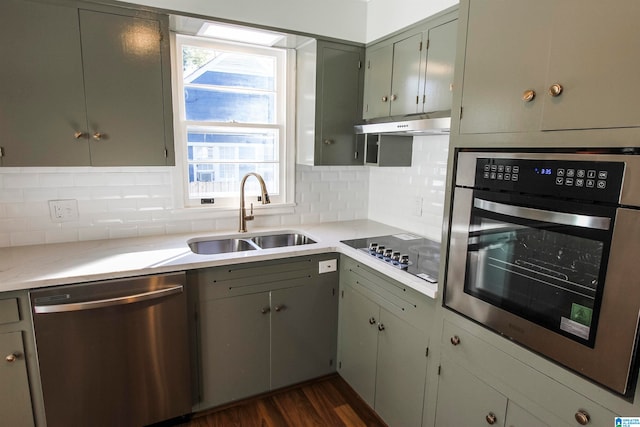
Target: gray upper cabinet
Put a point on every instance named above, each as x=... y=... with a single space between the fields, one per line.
x=441 y=58
x=411 y=72
x=392 y=78
x=85 y=87
x=531 y=66
x=329 y=101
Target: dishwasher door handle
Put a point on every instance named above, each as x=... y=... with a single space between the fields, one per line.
x=108 y=302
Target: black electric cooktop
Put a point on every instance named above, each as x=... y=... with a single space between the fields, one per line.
x=411 y=253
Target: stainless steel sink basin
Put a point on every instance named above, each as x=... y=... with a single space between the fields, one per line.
x=222 y=245
x=281 y=240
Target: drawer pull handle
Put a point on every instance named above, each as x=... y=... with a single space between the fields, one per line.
x=372 y=320
x=528 y=95
x=455 y=340
x=381 y=327
x=265 y=310
x=582 y=417
x=491 y=418
x=11 y=357
x=279 y=307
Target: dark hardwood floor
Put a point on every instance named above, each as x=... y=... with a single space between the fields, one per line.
x=326 y=402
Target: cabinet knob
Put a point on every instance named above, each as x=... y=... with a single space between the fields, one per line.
x=328 y=141
x=394 y=97
x=98 y=136
x=381 y=326
x=372 y=320
x=79 y=135
x=582 y=417
x=279 y=307
x=528 y=95
x=455 y=340
x=12 y=358
x=491 y=418
x=385 y=98
x=265 y=310
x=555 y=89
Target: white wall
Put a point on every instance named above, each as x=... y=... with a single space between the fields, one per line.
x=395 y=192
x=342 y=19
x=386 y=16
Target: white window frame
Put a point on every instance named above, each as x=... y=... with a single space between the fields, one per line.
x=285 y=122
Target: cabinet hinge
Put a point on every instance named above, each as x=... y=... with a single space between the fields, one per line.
x=420 y=48
x=1 y=151
x=427 y=44
x=426 y=352
x=439 y=369
x=166 y=153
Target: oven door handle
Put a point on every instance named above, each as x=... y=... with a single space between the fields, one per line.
x=563 y=218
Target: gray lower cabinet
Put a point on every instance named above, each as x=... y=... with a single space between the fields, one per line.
x=21 y=402
x=329 y=102
x=383 y=342
x=86 y=86
x=262 y=326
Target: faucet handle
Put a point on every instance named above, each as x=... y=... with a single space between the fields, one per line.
x=250 y=217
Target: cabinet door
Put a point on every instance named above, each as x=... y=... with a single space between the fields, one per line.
x=41 y=94
x=518 y=417
x=401 y=371
x=15 y=405
x=506 y=55
x=124 y=89
x=405 y=81
x=595 y=56
x=464 y=400
x=304 y=325
x=339 y=88
x=358 y=342
x=377 y=82
x=234 y=348
x=441 y=57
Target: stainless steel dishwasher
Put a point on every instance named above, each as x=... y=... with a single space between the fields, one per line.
x=113 y=353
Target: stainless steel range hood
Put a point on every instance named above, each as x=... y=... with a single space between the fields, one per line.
x=408 y=125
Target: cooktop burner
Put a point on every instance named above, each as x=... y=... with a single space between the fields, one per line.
x=409 y=252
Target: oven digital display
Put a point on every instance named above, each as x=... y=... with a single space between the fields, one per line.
x=543 y=171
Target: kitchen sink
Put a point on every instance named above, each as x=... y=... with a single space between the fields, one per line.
x=213 y=246
x=221 y=246
x=281 y=240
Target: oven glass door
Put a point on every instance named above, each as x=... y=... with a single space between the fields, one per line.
x=541 y=259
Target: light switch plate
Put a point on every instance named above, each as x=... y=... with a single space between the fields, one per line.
x=327 y=266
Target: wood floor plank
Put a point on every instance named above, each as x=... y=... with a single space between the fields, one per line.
x=326 y=402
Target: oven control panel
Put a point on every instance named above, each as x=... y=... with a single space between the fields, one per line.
x=587 y=180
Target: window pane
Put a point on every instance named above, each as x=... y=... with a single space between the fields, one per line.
x=219 y=158
x=227 y=86
x=204 y=104
x=223 y=179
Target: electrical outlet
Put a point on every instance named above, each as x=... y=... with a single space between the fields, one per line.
x=417 y=206
x=63 y=210
x=327 y=266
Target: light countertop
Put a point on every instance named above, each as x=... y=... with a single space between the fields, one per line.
x=28 y=267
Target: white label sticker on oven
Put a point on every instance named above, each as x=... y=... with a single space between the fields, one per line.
x=574 y=328
x=407 y=236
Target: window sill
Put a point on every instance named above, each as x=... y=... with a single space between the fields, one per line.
x=227 y=211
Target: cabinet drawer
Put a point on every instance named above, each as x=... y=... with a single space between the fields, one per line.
x=9 y=311
x=516 y=379
x=403 y=301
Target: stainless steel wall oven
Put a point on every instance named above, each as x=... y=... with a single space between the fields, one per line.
x=545 y=249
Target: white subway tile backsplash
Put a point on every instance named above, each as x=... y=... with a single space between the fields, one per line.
x=141 y=201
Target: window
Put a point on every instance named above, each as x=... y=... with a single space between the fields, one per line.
x=232 y=119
